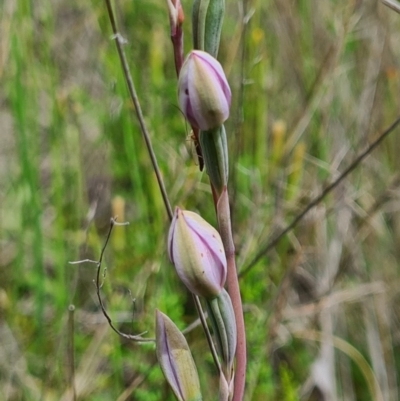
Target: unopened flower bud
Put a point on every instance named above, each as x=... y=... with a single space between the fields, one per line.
x=176 y=17
x=176 y=360
x=196 y=250
x=175 y=13
x=203 y=91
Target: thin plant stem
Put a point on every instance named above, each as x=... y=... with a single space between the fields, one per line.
x=119 y=41
x=210 y=342
x=225 y=229
x=71 y=350
x=132 y=92
x=392 y=4
x=271 y=244
x=177 y=41
x=241 y=354
x=99 y=285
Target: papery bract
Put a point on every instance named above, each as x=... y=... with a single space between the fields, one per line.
x=207 y=20
x=222 y=319
x=196 y=250
x=203 y=91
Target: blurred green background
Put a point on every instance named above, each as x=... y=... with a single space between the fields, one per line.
x=313 y=83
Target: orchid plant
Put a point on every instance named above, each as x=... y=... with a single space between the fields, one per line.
x=203 y=256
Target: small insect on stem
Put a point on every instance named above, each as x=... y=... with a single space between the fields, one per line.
x=194 y=137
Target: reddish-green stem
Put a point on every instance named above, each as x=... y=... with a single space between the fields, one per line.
x=241 y=354
x=224 y=222
x=177 y=42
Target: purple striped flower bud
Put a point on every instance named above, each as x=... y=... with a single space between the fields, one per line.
x=196 y=250
x=176 y=360
x=203 y=91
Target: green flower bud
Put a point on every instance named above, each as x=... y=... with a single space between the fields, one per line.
x=222 y=318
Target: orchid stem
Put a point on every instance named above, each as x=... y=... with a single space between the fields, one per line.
x=177 y=43
x=225 y=229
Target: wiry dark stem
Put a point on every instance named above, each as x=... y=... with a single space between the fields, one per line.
x=98 y=284
x=132 y=92
x=210 y=342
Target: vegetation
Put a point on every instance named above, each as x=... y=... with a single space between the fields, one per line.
x=313 y=84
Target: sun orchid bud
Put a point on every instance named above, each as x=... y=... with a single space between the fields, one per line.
x=175 y=13
x=203 y=91
x=196 y=250
x=176 y=360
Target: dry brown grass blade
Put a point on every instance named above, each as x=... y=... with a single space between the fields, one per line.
x=375 y=347
x=353 y=354
x=13 y=366
x=8 y=8
x=335 y=298
x=392 y=4
x=129 y=390
x=276 y=238
x=89 y=367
